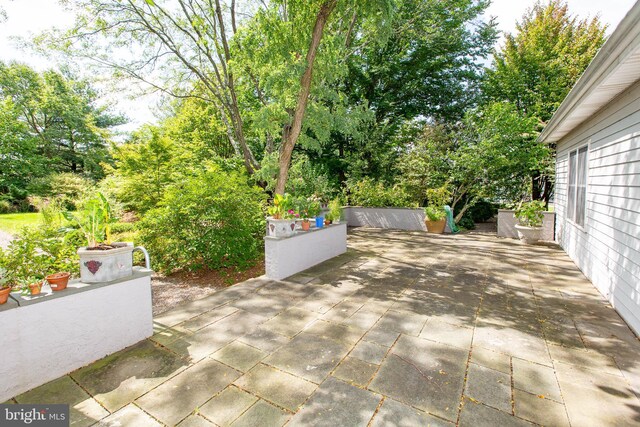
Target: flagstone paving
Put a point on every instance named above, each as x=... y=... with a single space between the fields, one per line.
x=405 y=329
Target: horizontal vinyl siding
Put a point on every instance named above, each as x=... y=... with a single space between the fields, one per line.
x=607 y=250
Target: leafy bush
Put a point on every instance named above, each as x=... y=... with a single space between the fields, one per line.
x=210 y=220
x=6 y=207
x=37 y=252
x=481 y=211
x=435 y=213
x=68 y=188
x=370 y=194
x=466 y=222
x=530 y=214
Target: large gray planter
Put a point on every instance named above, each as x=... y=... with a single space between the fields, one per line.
x=410 y=219
x=507 y=225
x=105 y=266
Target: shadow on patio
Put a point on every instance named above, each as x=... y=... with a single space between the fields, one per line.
x=404 y=329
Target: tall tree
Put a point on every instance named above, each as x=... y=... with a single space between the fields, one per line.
x=539 y=64
x=55 y=121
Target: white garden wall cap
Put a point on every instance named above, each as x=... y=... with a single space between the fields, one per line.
x=383 y=207
x=75 y=286
x=299 y=233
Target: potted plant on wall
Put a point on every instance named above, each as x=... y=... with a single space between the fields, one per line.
x=5 y=287
x=335 y=210
x=530 y=216
x=30 y=285
x=282 y=219
x=435 y=213
x=101 y=260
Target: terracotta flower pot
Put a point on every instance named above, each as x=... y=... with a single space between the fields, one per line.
x=4 y=295
x=327 y=222
x=436 y=227
x=58 y=281
x=34 y=288
x=306 y=225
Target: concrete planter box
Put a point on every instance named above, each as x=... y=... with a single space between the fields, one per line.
x=410 y=219
x=280 y=227
x=507 y=225
x=47 y=336
x=105 y=266
x=287 y=256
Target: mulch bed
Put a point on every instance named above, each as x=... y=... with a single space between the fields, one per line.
x=179 y=288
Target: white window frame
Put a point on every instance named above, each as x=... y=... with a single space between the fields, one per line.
x=572 y=180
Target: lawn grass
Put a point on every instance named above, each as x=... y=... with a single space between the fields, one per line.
x=12 y=223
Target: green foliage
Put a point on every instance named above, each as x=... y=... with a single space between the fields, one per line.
x=530 y=214
x=490 y=155
x=435 y=213
x=335 y=210
x=539 y=64
x=282 y=207
x=94 y=220
x=537 y=67
x=368 y=193
x=4 y=278
x=211 y=219
x=306 y=207
x=66 y=187
x=482 y=210
x=37 y=252
x=49 y=123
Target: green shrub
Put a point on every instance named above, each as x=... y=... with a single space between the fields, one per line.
x=37 y=252
x=68 y=188
x=6 y=207
x=530 y=214
x=370 y=194
x=210 y=220
x=435 y=213
x=466 y=223
x=481 y=211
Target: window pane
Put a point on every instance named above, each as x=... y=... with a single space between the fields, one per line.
x=581 y=184
x=571 y=186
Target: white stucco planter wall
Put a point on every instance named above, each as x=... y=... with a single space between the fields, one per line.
x=287 y=256
x=410 y=219
x=47 y=337
x=507 y=225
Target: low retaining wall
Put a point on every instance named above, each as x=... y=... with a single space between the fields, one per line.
x=46 y=337
x=286 y=256
x=507 y=223
x=410 y=219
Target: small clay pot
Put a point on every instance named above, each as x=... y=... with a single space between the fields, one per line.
x=4 y=295
x=35 y=288
x=306 y=225
x=327 y=222
x=58 y=281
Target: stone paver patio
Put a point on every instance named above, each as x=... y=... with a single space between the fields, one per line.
x=406 y=329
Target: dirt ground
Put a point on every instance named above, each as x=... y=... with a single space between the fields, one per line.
x=171 y=291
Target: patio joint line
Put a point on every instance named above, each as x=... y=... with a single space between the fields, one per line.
x=376 y=411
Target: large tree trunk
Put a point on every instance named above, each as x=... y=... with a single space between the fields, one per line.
x=292 y=131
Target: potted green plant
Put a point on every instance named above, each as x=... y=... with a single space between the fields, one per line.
x=303 y=206
x=435 y=214
x=282 y=219
x=101 y=260
x=5 y=286
x=335 y=212
x=30 y=285
x=530 y=216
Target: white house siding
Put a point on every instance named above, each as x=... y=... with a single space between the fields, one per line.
x=608 y=249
